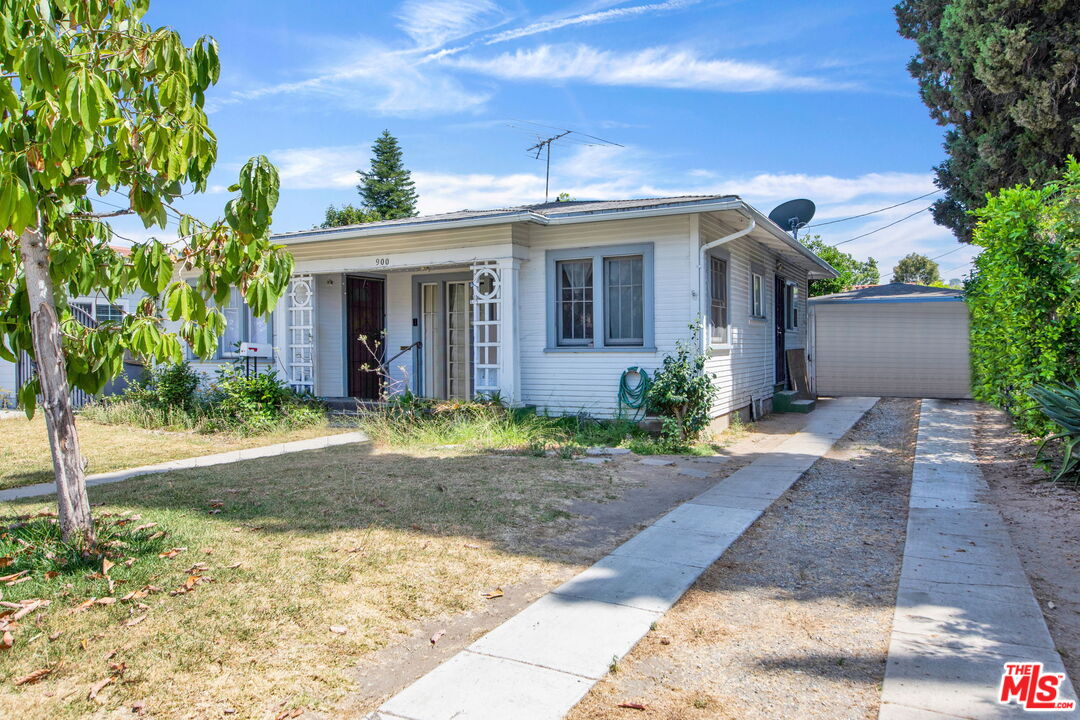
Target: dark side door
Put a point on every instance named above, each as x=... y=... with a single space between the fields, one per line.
x=780 y=321
x=365 y=302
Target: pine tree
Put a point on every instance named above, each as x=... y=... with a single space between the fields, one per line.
x=1002 y=76
x=387 y=187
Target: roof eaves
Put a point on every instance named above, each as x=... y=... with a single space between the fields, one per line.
x=827 y=270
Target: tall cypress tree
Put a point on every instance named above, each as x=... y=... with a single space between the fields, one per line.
x=387 y=188
x=1002 y=76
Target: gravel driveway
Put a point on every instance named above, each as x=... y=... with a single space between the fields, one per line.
x=794 y=620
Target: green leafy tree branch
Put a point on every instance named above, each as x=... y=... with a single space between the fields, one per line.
x=94 y=103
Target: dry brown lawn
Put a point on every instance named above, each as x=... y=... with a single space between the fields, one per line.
x=365 y=541
x=24 y=447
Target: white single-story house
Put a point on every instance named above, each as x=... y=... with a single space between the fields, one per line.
x=898 y=339
x=546 y=305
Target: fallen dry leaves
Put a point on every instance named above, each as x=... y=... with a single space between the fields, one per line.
x=437 y=636
x=98 y=687
x=631 y=706
x=31 y=678
x=339 y=629
x=492 y=594
x=170 y=554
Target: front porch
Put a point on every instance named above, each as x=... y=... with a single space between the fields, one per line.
x=447 y=332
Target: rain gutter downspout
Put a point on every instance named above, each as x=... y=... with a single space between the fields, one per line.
x=703 y=280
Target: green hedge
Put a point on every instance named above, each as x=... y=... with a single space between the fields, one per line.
x=1024 y=296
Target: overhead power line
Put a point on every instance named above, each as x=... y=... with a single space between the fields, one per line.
x=884 y=227
x=873 y=212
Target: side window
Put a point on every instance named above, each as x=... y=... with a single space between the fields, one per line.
x=757 y=295
x=718 y=300
x=791 y=305
x=107 y=312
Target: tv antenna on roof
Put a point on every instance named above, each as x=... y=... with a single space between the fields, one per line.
x=543 y=144
x=793 y=215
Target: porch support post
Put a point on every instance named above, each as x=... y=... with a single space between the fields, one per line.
x=510 y=350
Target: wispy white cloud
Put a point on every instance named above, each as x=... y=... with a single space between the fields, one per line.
x=663 y=67
x=320 y=168
x=584 y=19
x=433 y=23
x=378 y=79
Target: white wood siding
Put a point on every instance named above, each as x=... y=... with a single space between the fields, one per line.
x=903 y=349
x=747 y=371
x=588 y=381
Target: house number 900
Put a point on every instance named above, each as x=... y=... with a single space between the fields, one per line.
x=382 y=262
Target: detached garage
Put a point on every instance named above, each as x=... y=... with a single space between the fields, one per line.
x=896 y=340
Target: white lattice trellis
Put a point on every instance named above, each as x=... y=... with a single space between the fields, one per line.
x=302 y=333
x=487 y=327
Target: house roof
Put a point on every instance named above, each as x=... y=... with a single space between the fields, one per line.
x=572 y=212
x=549 y=210
x=891 y=292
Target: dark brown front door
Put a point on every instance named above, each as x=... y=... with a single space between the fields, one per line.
x=365 y=303
x=780 y=323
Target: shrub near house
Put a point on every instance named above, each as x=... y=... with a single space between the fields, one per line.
x=169 y=397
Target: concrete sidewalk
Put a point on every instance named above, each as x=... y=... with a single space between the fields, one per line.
x=964 y=605
x=540 y=663
x=317 y=443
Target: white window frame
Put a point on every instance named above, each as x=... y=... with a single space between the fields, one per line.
x=724 y=298
x=791 y=306
x=757 y=295
x=247 y=319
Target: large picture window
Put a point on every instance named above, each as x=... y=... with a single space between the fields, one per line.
x=600 y=298
x=718 y=300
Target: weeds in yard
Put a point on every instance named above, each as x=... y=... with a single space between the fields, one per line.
x=414 y=423
x=170 y=397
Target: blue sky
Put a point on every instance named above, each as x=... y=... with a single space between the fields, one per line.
x=769 y=101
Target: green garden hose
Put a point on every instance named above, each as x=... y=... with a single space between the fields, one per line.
x=633 y=397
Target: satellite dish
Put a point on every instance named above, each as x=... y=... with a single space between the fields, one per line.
x=793 y=215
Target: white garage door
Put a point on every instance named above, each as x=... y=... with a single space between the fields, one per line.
x=904 y=349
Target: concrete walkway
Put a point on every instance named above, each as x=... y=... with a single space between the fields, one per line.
x=541 y=662
x=964 y=605
x=203 y=461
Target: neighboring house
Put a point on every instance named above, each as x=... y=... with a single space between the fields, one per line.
x=898 y=339
x=89 y=311
x=545 y=304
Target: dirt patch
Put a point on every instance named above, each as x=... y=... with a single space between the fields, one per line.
x=1041 y=518
x=794 y=620
x=592 y=528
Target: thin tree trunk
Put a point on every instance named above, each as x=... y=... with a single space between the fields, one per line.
x=74 y=506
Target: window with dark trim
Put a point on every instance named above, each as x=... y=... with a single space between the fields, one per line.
x=718 y=300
